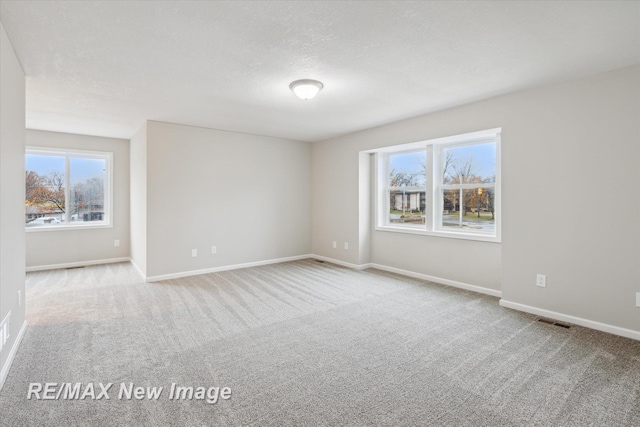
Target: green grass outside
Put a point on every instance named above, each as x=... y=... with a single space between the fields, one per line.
x=484 y=216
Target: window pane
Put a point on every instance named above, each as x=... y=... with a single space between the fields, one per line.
x=469 y=210
x=87 y=195
x=45 y=186
x=407 y=207
x=407 y=169
x=469 y=164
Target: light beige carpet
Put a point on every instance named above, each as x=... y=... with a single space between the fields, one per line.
x=309 y=343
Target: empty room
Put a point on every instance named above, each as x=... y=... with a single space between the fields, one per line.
x=320 y=213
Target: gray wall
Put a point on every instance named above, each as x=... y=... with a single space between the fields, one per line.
x=84 y=245
x=138 y=216
x=341 y=195
x=12 y=240
x=247 y=195
x=570 y=156
x=571 y=162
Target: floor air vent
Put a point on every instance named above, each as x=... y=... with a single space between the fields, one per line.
x=553 y=322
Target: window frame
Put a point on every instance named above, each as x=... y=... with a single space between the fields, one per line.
x=68 y=154
x=434 y=184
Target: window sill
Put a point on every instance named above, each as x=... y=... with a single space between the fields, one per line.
x=67 y=227
x=442 y=234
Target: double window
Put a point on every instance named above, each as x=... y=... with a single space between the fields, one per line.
x=447 y=187
x=67 y=189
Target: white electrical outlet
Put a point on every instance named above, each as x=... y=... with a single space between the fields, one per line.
x=346 y=245
x=214 y=250
x=335 y=244
x=637 y=299
x=541 y=280
x=194 y=253
x=116 y=243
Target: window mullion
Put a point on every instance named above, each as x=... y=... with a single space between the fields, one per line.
x=429 y=185
x=406 y=188
x=67 y=188
x=467 y=186
x=387 y=190
x=462 y=207
x=437 y=187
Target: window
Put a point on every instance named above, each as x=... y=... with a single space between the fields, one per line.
x=446 y=187
x=67 y=189
x=407 y=194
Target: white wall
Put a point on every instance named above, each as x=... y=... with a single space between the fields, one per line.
x=138 y=215
x=247 y=195
x=45 y=248
x=570 y=156
x=12 y=240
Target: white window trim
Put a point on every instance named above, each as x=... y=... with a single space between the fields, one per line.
x=433 y=219
x=67 y=153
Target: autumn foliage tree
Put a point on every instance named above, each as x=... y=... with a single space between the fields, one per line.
x=46 y=192
x=459 y=171
x=33 y=182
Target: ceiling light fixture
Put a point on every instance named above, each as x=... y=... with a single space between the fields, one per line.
x=306 y=89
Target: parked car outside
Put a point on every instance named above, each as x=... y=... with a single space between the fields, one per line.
x=45 y=220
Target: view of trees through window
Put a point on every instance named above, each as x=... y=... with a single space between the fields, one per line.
x=64 y=188
x=448 y=187
x=407 y=191
x=468 y=187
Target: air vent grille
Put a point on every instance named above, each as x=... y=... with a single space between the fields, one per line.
x=554 y=323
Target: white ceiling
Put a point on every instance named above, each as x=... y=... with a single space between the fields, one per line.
x=103 y=67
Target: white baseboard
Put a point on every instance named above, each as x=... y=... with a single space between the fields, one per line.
x=77 y=264
x=591 y=324
x=453 y=283
x=225 y=268
x=408 y=273
x=7 y=365
x=342 y=263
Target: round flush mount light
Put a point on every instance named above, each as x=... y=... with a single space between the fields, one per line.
x=306 y=89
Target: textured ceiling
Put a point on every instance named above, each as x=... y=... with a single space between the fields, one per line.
x=102 y=68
